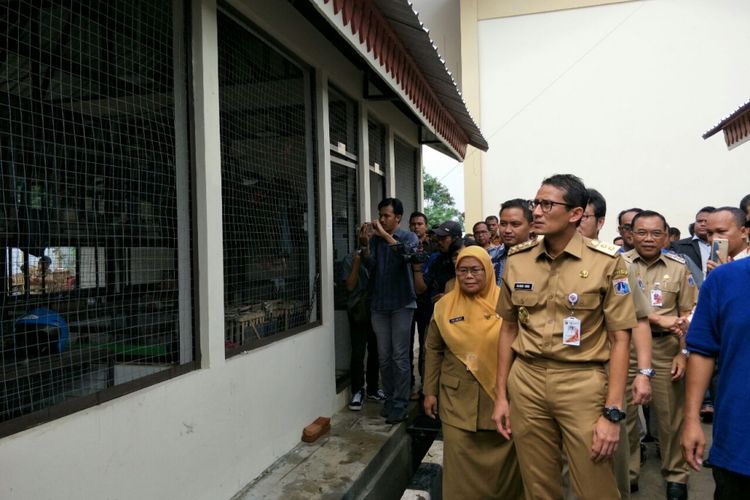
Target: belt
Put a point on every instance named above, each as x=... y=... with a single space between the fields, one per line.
x=661 y=333
x=560 y=365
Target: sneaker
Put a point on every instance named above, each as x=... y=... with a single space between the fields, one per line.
x=378 y=397
x=357 y=401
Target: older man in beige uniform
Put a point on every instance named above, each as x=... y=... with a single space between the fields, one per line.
x=566 y=307
x=672 y=293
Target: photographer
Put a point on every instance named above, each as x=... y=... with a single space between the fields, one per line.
x=393 y=301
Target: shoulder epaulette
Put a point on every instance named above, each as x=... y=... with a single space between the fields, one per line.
x=523 y=246
x=675 y=257
x=604 y=247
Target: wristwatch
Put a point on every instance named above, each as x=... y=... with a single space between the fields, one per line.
x=685 y=353
x=613 y=414
x=649 y=372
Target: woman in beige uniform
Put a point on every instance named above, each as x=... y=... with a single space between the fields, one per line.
x=460 y=373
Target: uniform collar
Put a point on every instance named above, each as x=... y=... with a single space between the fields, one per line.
x=574 y=247
x=635 y=256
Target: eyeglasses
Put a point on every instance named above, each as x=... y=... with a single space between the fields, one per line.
x=626 y=227
x=586 y=216
x=546 y=204
x=656 y=234
x=474 y=271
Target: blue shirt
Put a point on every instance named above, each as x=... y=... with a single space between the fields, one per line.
x=363 y=282
x=498 y=257
x=721 y=328
x=390 y=271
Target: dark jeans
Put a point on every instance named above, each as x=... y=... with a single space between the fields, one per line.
x=422 y=317
x=363 y=341
x=730 y=485
x=392 y=331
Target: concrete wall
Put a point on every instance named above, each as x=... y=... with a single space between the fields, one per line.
x=206 y=434
x=620 y=95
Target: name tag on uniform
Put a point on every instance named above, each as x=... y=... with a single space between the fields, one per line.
x=456 y=319
x=523 y=286
x=572 y=331
x=657 y=298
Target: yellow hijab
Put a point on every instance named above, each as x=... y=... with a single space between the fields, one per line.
x=469 y=324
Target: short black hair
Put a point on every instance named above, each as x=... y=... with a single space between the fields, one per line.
x=691 y=229
x=739 y=215
x=418 y=214
x=673 y=231
x=650 y=213
x=745 y=202
x=398 y=207
x=575 y=191
x=474 y=227
x=599 y=203
x=519 y=203
x=490 y=217
x=623 y=212
x=706 y=210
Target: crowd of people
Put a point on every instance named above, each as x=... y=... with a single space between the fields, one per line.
x=548 y=355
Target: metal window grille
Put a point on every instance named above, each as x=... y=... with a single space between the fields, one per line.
x=343 y=118
x=376 y=140
x=377 y=192
x=94 y=193
x=268 y=195
x=405 y=157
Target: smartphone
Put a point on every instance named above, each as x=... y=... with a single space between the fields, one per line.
x=719 y=250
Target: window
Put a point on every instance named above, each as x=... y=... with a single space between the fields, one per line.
x=268 y=183
x=406 y=176
x=94 y=193
x=377 y=139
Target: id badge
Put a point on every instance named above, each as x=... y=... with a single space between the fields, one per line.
x=572 y=331
x=657 y=299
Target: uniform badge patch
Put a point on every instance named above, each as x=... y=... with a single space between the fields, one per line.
x=640 y=284
x=620 y=272
x=690 y=280
x=621 y=286
x=456 y=319
x=523 y=286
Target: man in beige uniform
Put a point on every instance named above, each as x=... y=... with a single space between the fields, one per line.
x=672 y=293
x=566 y=306
x=591 y=223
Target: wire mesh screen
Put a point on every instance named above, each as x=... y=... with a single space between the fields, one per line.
x=268 y=198
x=343 y=119
x=377 y=192
x=89 y=96
x=405 y=157
x=376 y=140
x=344 y=204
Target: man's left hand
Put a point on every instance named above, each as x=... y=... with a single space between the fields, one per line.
x=641 y=390
x=379 y=229
x=606 y=436
x=679 y=363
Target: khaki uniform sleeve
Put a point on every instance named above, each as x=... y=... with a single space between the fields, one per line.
x=504 y=306
x=642 y=307
x=688 y=292
x=434 y=351
x=619 y=310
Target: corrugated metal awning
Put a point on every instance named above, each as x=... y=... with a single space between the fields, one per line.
x=389 y=36
x=736 y=126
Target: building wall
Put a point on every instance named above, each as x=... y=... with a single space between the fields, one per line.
x=619 y=95
x=206 y=434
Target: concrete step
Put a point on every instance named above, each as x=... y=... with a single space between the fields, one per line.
x=362 y=457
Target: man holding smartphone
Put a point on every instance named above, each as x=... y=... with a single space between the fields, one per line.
x=727 y=228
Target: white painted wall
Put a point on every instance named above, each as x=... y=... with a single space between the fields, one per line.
x=206 y=434
x=619 y=95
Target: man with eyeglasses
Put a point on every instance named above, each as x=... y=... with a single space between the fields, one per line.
x=672 y=293
x=566 y=309
x=625 y=226
x=639 y=380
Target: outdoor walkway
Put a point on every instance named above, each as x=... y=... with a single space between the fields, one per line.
x=653 y=487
